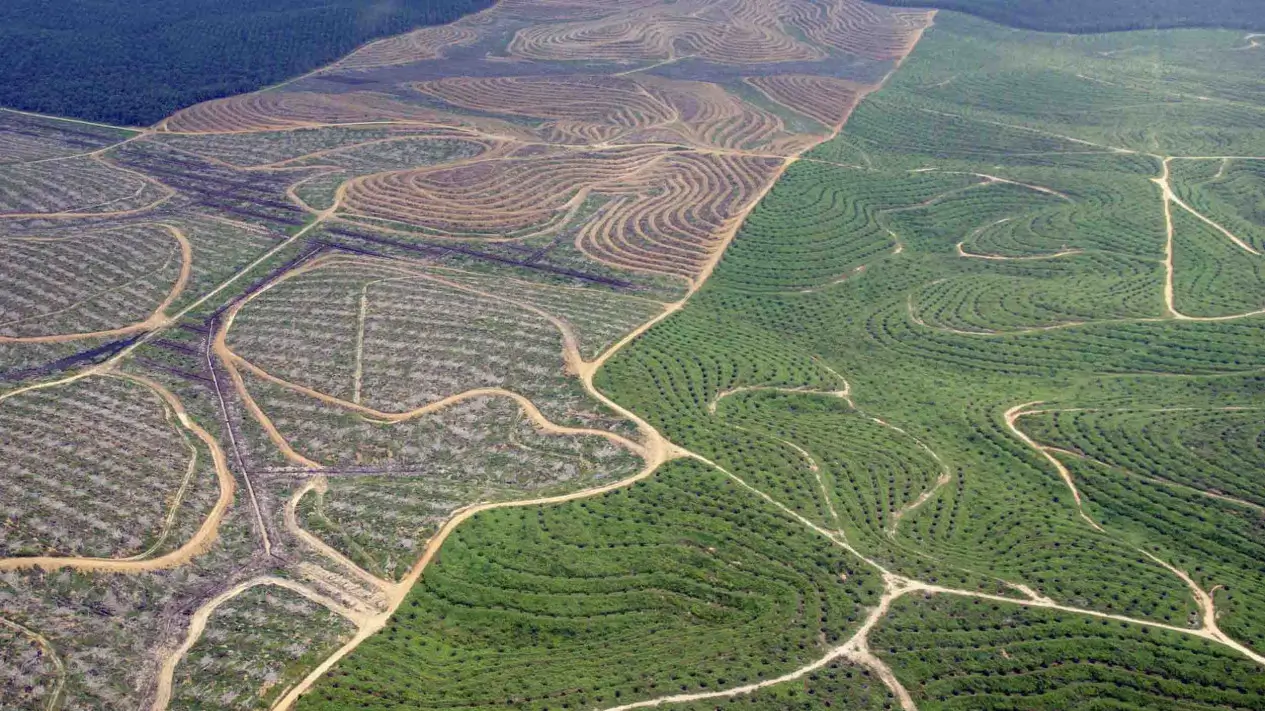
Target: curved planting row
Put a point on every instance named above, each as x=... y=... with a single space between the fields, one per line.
x=1215 y=450
x=97 y=468
x=672 y=217
x=681 y=583
x=661 y=33
x=1212 y=276
x=418 y=45
x=855 y=27
x=276 y=110
x=83 y=185
x=493 y=198
x=86 y=281
x=826 y=100
x=1149 y=345
x=612 y=104
x=955 y=653
x=821 y=222
x=1218 y=539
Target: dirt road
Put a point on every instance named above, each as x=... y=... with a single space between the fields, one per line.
x=197 y=544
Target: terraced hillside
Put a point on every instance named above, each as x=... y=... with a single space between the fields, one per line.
x=613 y=356
x=999 y=338
x=263 y=358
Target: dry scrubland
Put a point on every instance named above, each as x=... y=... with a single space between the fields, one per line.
x=259 y=359
x=936 y=432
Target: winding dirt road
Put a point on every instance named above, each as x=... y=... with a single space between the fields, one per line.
x=201 y=539
x=197 y=625
x=961 y=250
x=1011 y=416
x=157 y=319
x=654 y=449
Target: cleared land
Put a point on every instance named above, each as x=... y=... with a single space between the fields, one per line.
x=277 y=347
x=747 y=362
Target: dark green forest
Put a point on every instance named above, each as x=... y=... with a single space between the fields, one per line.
x=133 y=63
x=1105 y=15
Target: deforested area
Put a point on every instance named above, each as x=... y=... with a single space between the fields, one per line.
x=699 y=355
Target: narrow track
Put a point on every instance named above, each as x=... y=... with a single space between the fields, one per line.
x=201 y=539
x=1207 y=606
x=197 y=625
x=653 y=447
x=55 y=697
x=156 y=320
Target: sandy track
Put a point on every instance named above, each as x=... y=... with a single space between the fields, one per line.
x=1166 y=194
x=1240 y=243
x=1203 y=632
x=197 y=625
x=210 y=526
x=846 y=394
x=995 y=179
x=1170 y=198
x=812 y=467
x=570 y=355
x=945 y=477
x=1014 y=414
x=320 y=484
x=711 y=406
x=357 y=374
x=170 y=521
x=98 y=156
x=961 y=250
x=237 y=450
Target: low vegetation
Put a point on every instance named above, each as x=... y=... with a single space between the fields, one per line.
x=98 y=468
x=978 y=372
x=254 y=647
x=681 y=583
x=955 y=653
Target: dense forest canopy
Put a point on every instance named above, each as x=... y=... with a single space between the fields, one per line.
x=1105 y=15
x=135 y=62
